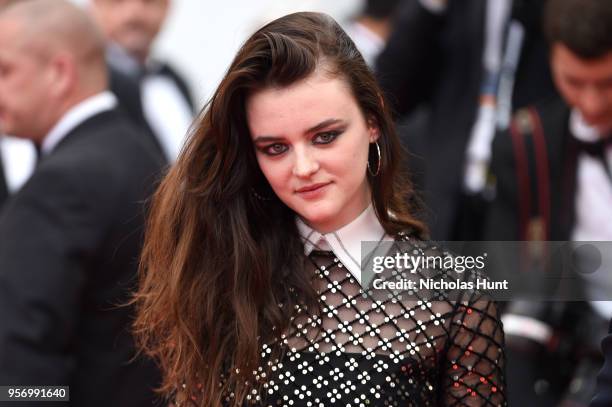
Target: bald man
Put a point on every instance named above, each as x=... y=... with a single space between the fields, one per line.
x=70 y=238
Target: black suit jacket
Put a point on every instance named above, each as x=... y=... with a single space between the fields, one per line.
x=69 y=246
x=3 y=187
x=578 y=324
x=603 y=397
x=127 y=89
x=436 y=60
x=561 y=151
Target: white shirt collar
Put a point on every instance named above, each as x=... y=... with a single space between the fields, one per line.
x=592 y=201
x=581 y=129
x=345 y=242
x=77 y=115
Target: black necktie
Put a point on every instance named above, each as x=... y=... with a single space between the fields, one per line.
x=597 y=149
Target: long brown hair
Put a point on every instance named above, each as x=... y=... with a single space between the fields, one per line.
x=221 y=250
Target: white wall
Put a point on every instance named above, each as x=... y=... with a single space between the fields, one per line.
x=201 y=37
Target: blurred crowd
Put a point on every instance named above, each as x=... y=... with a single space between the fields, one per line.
x=504 y=108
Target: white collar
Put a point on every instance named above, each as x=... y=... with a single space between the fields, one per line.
x=581 y=129
x=345 y=242
x=76 y=115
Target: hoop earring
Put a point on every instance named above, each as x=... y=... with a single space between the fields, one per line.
x=379 y=161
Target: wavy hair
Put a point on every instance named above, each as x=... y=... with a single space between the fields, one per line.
x=217 y=259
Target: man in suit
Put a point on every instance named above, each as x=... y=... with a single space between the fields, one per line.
x=70 y=238
x=153 y=94
x=449 y=57
x=603 y=397
x=576 y=133
x=554 y=182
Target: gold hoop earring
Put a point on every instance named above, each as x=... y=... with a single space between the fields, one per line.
x=379 y=161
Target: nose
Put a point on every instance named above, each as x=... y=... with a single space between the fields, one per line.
x=305 y=163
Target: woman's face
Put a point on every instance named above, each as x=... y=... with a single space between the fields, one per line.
x=311 y=142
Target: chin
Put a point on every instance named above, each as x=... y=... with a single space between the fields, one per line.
x=315 y=216
x=323 y=221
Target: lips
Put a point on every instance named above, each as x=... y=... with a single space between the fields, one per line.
x=312 y=187
x=312 y=190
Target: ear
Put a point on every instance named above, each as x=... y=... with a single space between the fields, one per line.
x=63 y=74
x=373 y=130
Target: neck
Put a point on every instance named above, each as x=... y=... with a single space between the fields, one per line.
x=63 y=107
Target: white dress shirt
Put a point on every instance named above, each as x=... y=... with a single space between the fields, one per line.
x=18 y=159
x=167 y=112
x=163 y=105
x=593 y=211
x=345 y=242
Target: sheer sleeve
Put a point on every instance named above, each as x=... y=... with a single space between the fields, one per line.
x=473 y=374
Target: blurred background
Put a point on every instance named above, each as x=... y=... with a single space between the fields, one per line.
x=504 y=108
x=202 y=37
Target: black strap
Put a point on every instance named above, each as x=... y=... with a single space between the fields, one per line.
x=533 y=179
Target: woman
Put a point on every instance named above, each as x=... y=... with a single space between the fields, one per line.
x=251 y=266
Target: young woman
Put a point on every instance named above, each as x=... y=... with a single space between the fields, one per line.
x=250 y=289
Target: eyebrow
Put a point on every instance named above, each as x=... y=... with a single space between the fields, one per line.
x=317 y=127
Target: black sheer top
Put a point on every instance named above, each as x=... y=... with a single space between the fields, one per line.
x=368 y=349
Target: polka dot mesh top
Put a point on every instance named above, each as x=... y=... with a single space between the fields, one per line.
x=368 y=347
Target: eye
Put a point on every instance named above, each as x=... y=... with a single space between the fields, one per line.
x=274 y=149
x=326 y=137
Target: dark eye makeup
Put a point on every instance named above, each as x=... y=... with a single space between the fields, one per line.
x=321 y=138
x=325 y=137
